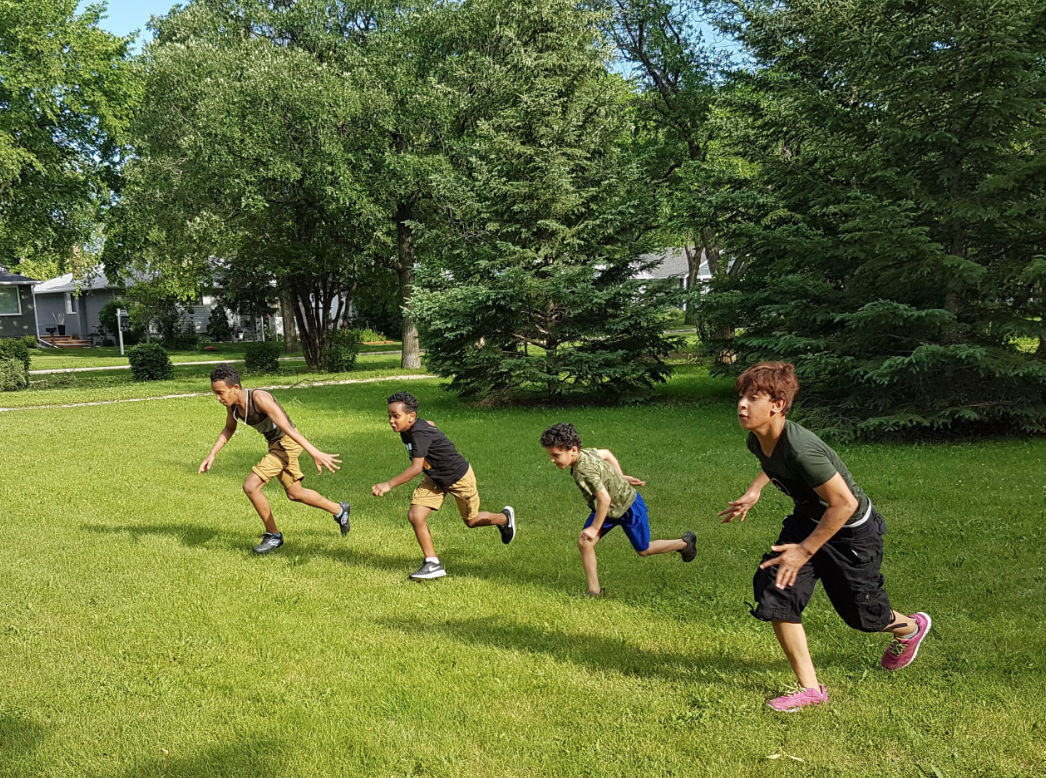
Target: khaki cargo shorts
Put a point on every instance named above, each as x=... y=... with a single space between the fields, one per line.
x=465 y=492
x=281 y=462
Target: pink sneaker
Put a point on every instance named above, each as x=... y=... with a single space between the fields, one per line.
x=901 y=652
x=796 y=701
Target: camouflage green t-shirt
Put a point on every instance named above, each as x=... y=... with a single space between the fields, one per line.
x=592 y=474
x=799 y=463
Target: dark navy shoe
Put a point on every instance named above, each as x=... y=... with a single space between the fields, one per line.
x=508 y=529
x=342 y=519
x=269 y=542
x=690 y=551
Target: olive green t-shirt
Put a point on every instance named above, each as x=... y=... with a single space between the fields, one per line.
x=592 y=473
x=799 y=463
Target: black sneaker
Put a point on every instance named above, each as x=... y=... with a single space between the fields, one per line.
x=270 y=542
x=690 y=551
x=600 y=594
x=508 y=529
x=342 y=519
x=428 y=570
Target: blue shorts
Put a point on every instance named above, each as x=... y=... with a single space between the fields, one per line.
x=635 y=522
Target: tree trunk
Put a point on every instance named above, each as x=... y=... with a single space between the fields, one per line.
x=411 y=355
x=693 y=264
x=290 y=327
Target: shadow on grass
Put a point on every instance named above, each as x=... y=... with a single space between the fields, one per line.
x=594 y=652
x=19 y=736
x=253 y=758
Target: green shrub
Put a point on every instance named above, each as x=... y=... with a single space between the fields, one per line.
x=149 y=362
x=262 y=357
x=342 y=350
x=13 y=375
x=15 y=348
x=369 y=336
x=218 y=327
x=30 y=341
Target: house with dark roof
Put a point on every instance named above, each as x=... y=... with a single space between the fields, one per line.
x=672 y=264
x=17 y=309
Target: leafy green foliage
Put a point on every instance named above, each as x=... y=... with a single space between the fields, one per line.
x=218 y=327
x=67 y=91
x=534 y=290
x=30 y=341
x=896 y=254
x=13 y=375
x=150 y=362
x=342 y=351
x=15 y=348
x=262 y=357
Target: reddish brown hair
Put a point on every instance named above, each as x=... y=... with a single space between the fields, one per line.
x=776 y=379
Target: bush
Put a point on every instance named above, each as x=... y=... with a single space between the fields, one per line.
x=149 y=362
x=13 y=375
x=30 y=341
x=370 y=336
x=341 y=353
x=15 y=348
x=218 y=327
x=262 y=357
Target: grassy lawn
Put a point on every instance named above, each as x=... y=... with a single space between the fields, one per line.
x=58 y=359
x=139 y=637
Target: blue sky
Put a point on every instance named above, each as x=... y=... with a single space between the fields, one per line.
x=126 y=16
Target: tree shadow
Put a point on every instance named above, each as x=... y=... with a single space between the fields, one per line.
x=19 y=735
x=253 y=758
x=593 y=652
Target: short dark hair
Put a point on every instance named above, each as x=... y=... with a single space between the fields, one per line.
x=410 y=402
x=563 y=436
x=227 y=373
x=775 y=379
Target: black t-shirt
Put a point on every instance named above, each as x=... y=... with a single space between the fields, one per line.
x=443 y=464
x=801 y=462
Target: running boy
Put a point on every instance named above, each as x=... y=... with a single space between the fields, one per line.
x=612 y=498
x=833 y=535
x=445 y=472
x=259 y=409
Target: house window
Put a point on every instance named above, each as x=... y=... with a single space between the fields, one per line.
x=70 y=302
x=10 y=304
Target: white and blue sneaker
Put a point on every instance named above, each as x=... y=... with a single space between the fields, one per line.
x=270 y=541
x=342 y=519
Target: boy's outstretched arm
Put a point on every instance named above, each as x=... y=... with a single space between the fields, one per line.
x=417 y=464
x=739 y=508
x=841 y=506
x=591 y=532
x=610 y=459
x=223 y=437
x=264 y=402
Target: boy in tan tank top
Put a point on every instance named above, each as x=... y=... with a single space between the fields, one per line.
x=259 y=409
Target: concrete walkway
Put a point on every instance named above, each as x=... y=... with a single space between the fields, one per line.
x=179 y=364
x=304 y=385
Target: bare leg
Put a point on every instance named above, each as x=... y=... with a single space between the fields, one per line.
x=588 y=561
x=252 y=487
x=792 y=638
x=299 y=493
x=487 y=519
x=902 y=626
x=417 y=516
x=663 y=547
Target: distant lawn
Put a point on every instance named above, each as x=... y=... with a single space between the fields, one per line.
x=140 y=638
x=58 y=359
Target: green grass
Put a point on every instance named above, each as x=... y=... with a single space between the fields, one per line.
x=139 y=637
x=105 y=356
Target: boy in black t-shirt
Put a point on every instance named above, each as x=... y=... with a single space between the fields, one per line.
x=445 y=472
x=834 y=535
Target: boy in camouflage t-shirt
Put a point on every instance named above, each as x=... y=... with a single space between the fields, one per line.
x=612 y=498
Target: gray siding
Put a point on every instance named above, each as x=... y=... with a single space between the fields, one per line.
x=48 y=304
x=17 y=326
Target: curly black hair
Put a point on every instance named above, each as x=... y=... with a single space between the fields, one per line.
x=563 y=436
x=410 y=402
x=227 y=373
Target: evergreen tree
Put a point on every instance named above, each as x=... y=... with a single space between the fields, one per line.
x=899 y=259
x=531 y=289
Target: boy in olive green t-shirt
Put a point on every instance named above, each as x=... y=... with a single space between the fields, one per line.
x=612 y=498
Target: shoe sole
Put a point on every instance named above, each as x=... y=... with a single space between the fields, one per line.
x=915 y=653
x=511 y=522
x=683 y=552
x=427 y=576
x=266 y=551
